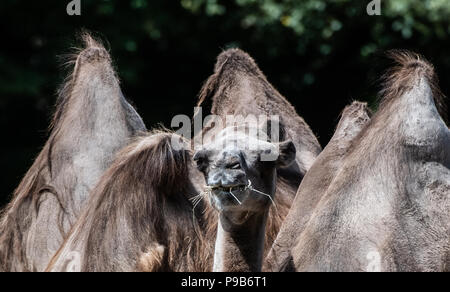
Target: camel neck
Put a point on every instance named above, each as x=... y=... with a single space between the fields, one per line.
x=240 y=247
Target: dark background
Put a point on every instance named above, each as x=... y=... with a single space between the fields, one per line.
x=320 y=54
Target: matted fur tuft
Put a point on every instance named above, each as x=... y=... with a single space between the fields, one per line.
x=236 y=59
x=409 y=68
x=228 y=63
x=78 y=56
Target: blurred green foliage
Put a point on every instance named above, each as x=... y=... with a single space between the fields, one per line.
x=321 y=54
x=307 y=26
x=316 y=21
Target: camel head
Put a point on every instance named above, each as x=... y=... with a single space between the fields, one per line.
x=240 y=171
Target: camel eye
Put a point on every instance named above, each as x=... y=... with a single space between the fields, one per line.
x=235 y=165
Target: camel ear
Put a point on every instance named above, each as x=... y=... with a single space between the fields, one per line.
x=274 y=129
x=287 y=153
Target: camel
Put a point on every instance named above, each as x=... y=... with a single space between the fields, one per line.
x=239 y=88
x=242 y=186
x=91 y=123
x=316 y=182
x=149 y=227
x=387 y=206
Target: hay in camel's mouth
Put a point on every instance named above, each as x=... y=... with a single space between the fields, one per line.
x=227 y=189
x=241 y=188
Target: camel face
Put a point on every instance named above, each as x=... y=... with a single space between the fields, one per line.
x=240 y=170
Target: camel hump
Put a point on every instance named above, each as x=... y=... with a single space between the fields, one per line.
x=92 y=51
x=356 y=110
x=353 y=119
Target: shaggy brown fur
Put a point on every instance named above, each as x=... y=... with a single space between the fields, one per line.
x=386 y=209
x=92 y=121
x=140 y=215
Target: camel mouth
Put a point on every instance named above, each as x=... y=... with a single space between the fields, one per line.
x=224 y=198
x=238 y=188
